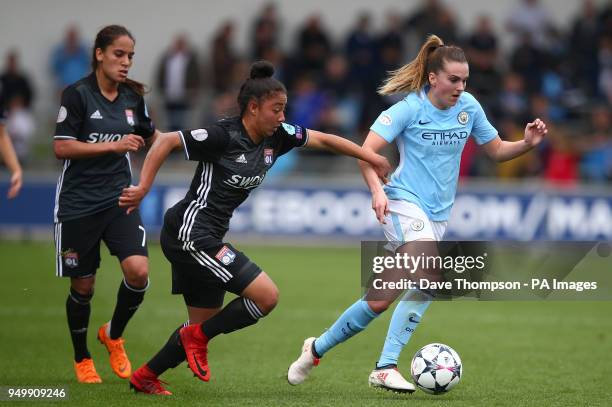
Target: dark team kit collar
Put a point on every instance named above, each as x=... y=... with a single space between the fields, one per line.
x=92 y=80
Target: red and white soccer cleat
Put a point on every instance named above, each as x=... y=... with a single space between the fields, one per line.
x=390 y=379
x=300 y=369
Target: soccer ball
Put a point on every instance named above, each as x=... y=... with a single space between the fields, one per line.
x=436 y=368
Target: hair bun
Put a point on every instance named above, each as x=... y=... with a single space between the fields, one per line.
x=262 y=69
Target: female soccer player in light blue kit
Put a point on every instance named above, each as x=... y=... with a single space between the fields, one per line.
x=430 y=127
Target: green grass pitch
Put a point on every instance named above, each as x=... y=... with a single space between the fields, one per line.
x=514 y=353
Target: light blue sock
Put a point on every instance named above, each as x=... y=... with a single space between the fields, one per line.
x=405 y=318
x=351 y=322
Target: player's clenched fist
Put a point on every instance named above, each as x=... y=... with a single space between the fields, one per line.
x=130 y=142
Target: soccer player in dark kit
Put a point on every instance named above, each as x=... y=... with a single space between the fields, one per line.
x=101 y=120
x=234 y=156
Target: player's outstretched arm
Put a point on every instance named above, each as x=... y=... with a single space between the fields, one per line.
x=339 y=145
x=500 y=150
x=10 y=160
x=380 y=204
x=164 y=143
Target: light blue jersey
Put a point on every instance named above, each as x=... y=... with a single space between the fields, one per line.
x=430 y=142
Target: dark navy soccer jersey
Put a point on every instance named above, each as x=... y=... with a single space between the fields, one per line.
x=231 y=166
x=90 y=185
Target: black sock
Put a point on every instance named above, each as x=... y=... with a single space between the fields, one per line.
x=238 y=314
x=170 y=355
x=78 y=309
x=128 y=300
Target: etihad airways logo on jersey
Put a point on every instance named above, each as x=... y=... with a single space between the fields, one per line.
x=240 y=182
x=104 y=137
x=445 y=138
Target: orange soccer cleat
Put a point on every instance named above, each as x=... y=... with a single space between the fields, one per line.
x=118 y=358
x=86 y=371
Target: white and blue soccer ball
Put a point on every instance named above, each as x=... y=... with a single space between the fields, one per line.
x=436 y=368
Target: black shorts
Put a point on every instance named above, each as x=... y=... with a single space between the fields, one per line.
x=204 y=274
x=77 y=241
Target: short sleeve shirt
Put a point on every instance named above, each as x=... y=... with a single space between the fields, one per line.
x=430 y=142
x=230 y=166
x=90 y=185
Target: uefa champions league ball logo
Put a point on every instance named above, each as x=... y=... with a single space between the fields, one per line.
x=436 y=368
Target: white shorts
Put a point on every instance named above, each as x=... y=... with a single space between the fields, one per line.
x=406 y=222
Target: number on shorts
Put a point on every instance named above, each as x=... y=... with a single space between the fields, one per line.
x=144 y=235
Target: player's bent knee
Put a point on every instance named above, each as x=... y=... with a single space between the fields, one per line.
x=263 y=292
x=87 y=292
x=136 y=270
x=268 y=300
x=379 y=306
x=137 y=278
x=83 y=286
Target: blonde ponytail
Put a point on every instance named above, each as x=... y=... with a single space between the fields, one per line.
x=412 y=76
